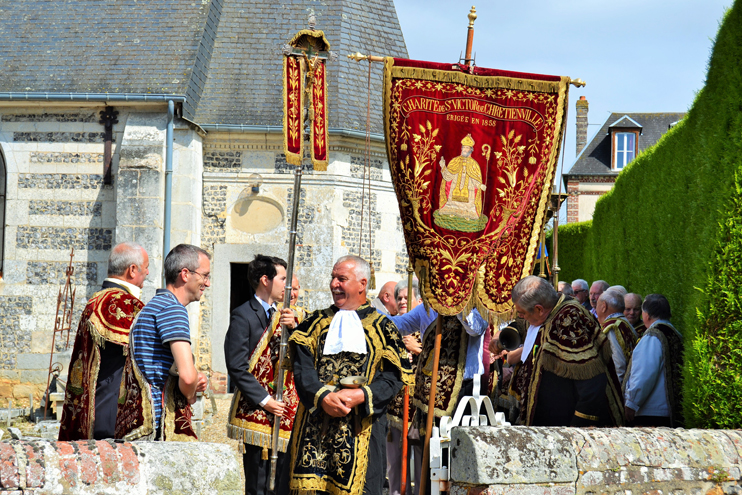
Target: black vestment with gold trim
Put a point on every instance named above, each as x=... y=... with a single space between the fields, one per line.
x=569 y=378
x=342 y=456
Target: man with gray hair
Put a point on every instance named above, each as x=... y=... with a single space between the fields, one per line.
x=101 y=347
x=565 y=376
x=349 y=362
x=582 y=292
x=598 y=287
x=617 y=328
x=566 y=289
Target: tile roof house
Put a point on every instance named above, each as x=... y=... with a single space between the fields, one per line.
x=619 y=140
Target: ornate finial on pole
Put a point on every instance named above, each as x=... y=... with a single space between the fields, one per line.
x=470 y=35
x=312 y=19
x=472 y=16
x=577 y=82
x=358 y=56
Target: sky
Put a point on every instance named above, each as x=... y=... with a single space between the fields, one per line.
x=634 y=55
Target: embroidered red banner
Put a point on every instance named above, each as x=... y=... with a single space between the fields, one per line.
x=293 y=101
x=472 y=157
x=319 y=124
x=304 y=78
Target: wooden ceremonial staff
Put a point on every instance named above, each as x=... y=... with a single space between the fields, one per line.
x=406 y=404
x=278 y=385
x=424 y=475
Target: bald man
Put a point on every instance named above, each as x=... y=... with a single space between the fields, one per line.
x=633 y=312
x=385 y=302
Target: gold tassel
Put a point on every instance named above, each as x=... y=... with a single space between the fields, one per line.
x=264 y=455
x=372 y=282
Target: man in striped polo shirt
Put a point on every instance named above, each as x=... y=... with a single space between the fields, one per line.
x=161 y=337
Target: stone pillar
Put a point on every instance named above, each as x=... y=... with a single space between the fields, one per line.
x=140 y=190
x=581 y=137
x=573 y=201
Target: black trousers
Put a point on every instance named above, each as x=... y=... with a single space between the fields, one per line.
x=258 y=471
x=106 y=405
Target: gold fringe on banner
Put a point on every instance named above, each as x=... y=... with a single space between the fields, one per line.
x=476 y=81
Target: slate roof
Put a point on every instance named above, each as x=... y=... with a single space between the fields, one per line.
x=91 y=46
x=244 y=81
x=595 y=158
x=224 y=55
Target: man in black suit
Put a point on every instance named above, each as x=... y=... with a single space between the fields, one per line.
x=248 y=324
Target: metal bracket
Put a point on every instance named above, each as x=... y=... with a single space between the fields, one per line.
x=440 y=439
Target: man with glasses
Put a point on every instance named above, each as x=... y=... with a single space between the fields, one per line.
x=582 y=293
x=161 y=337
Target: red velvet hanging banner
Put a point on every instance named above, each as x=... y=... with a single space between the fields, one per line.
x=472 y=158
x=298 y=65
x=293 y=107
x=319 y=125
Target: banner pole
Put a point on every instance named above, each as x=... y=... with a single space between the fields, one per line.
x=424 y=475
x=470 y=35
x=411 y=301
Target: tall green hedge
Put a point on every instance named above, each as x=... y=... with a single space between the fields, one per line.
x=670 y=226
x=572 y=241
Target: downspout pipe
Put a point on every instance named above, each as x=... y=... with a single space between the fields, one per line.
x=168 y=184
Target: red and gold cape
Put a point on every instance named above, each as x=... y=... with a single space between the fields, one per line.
x=108 y=317
x=249 y=423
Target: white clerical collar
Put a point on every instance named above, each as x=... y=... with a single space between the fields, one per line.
x=345 y=334
x=530 y=341
x=133 y=289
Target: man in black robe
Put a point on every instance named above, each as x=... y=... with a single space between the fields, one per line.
x=566 y=375
x=348 y=362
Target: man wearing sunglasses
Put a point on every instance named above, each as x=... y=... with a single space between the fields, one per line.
x=582 y=293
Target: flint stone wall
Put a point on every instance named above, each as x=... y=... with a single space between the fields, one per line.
x=105 y=467
x=625 y=461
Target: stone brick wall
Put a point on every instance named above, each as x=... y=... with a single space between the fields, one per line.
x=329 y=224
x=95 y=467
x=595 y=461
x=55 y=202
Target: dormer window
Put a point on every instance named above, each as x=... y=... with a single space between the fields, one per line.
x=625 y=146
x=624 y=142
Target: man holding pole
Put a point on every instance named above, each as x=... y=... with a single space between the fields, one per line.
x=251 y=353
x=348 y=362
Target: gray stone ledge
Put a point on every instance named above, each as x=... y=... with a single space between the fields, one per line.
x=524 y=460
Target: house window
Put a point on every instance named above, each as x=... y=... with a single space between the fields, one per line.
x=625 y=149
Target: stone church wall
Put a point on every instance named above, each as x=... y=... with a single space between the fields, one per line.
x=56 y=201
x=333 y=220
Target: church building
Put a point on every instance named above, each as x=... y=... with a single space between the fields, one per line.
x=103 y=103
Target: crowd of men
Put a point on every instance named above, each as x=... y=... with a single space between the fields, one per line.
x=589 y=355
